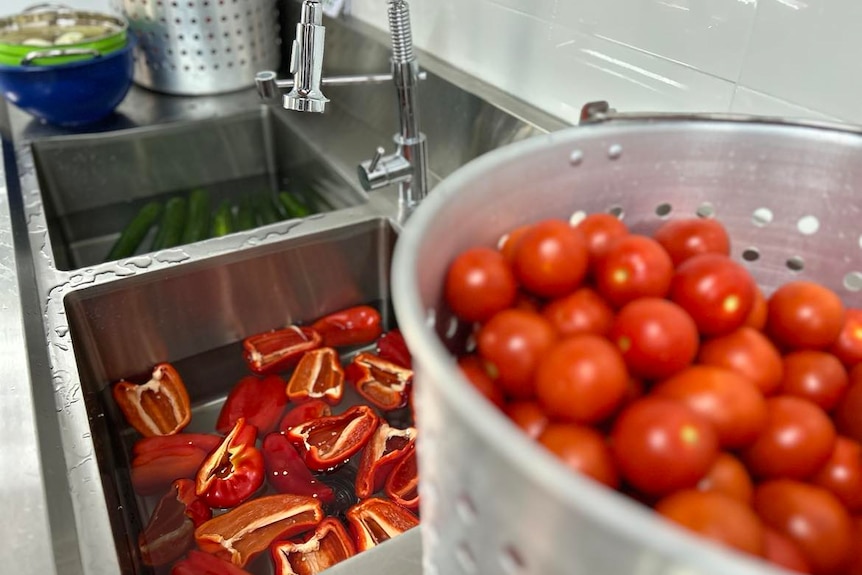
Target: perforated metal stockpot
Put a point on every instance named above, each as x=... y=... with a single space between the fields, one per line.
x=492 y=501
x=198 y=47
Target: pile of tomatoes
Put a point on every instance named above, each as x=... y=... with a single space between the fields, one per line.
x=654 y=364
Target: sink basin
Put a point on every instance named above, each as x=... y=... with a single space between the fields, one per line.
x=195 y=317
x=93 y=185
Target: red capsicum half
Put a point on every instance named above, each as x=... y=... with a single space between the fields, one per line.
x=318 y=375
x=260 y=401
x=385 y=448
x=170 y=530
x=328 y=442
x=391 y=346
x=159 y=460
x=287 y=473
x=373 y=521
x=233 y=471
x=306 y=411
x=280 y=349
x=158 y=407
x=382 y=382
x=200 y=563
x=402 y=485
x=352 y=326
x=327 y=545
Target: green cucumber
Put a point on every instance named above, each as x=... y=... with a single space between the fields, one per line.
x=198 y=224
x=134 y=233
x=265 y=210
x=292 y=206
x=222 y=223
x=173 y=223
x=245 y=215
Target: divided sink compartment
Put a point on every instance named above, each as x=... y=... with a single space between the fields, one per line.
x=195 y=315
x=93 y=185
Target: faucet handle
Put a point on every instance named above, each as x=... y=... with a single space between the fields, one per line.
x=383 y=170
x=378 y=153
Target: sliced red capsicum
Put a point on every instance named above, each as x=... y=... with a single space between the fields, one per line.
x=328 y=442
x=280 y=349
x=402 y=485
x=373 y=521
x=233 y=471
x=158 y=461
x=352 y=326
x=382 y=382
x=170 y=530
x=385 y=448
x=242 y=533
x=327 y=545
x=318 y=375
x=200 y=563
x=260 y=401
x=306 y=411
x=392 y=347
x=158 y=407
x=286 y=472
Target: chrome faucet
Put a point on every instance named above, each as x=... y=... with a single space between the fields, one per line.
x=408 y=165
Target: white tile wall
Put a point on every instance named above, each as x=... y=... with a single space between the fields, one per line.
x=772 y=57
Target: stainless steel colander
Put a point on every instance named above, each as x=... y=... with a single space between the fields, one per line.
x=492 y=500
x=196 y=47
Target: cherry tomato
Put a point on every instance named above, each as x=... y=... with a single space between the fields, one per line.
x=817 y=376
x=528 y=415
x=716 y=517
x=716 y=291
x=583 y=311
x=582 y=449
x=811 y=517
x=581 y=379
x=633 y=266
x=842 y=473
x=729 y=476
x=656 y=337
x=551 y=258
x=781 y=550
x=509 y=242
x=848 y=346
x=797 y=441
x=847 y=413
x=689 y=237
x=473 y=369
x=661 y=445
x=511 y=343
x=599 y=231
x=726 y=399
x=749 y=353
x=479 y=283
x=757 y=316
x=804 y=315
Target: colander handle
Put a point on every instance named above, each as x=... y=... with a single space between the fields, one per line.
x=601 y=112
x=47 y=7
x=58 y=53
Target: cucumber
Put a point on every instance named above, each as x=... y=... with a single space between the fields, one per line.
x=265 y=210
x=292 y=206
x=134 y=233
x=173 y=223
x=222 y=223
x=279 y=208
x=198 y=224
x=245 y=215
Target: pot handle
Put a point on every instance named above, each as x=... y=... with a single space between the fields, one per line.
x=58 y=53
x=47 y=6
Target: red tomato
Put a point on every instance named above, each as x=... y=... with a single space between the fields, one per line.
x=599 y=231
x=551 y=258
x=479 y=283
x=583 y=311
x=581 y=379
x=842 y=474
x=781 y=550
x=715 y=291
x=848 y=346
x=757 y=316
x=689 y=237
x=511 y=343
x=509 y=243
x=661 y=445
x=804 y=315
x=528 y=415
x=797 y=441
x=473 y=369
x=633 y=266
x=582 y=449
x=729 y=476
x=716 y=517
x=855 y=565
x=656 y=337
x=817 y=376
x=812 y=518
x=847 y=413
x=726 y=399
x=749 y=353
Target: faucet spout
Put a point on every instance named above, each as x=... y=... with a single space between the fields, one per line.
x=306 y=61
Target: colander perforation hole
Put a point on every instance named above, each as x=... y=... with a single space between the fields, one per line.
x=512 y=561
x=617 y=211
x=615 y=151
x=465 y=557
x=574 y=220
x=663 y=210
x=465 y=508
x=751 y=254
x=761 y=217
x=705 y=210
x=808 y=225
x=853 y=281
x=795 y=263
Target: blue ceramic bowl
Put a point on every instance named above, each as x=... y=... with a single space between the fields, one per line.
x=71 y=94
